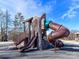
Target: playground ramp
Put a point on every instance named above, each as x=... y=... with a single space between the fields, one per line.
x=20 y=38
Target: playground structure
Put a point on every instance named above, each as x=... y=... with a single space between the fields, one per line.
x=35 y=35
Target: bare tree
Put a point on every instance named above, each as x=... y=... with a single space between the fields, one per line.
x=18 y=21
x=4 y=16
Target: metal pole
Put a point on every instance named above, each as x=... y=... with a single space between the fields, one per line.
x=39 y=35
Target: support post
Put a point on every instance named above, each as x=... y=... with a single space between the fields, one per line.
x=39 y=35
x=29 y=31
